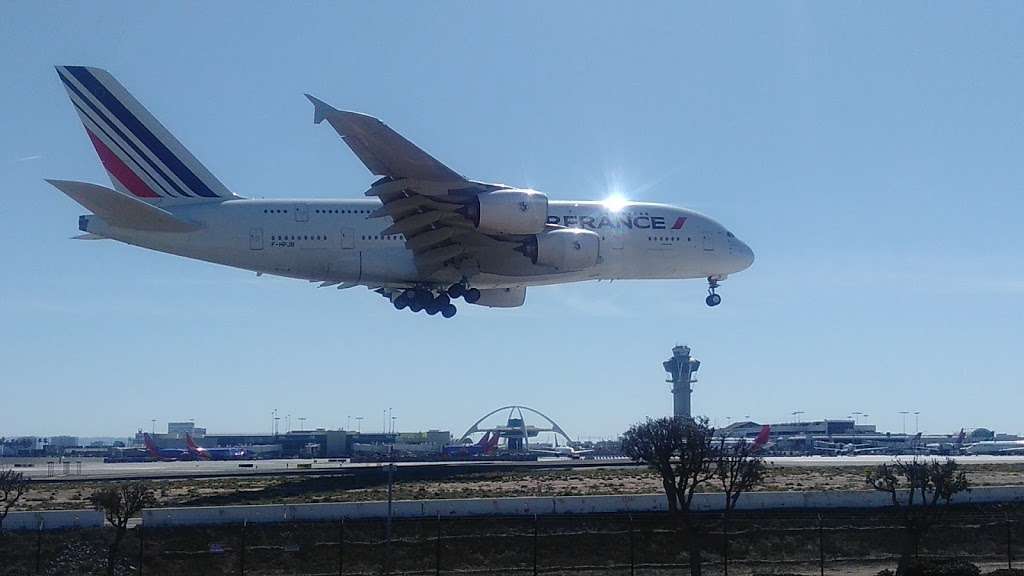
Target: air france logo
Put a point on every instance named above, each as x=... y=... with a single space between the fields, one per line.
x=625 y=221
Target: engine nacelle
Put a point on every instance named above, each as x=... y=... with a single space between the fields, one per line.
x=565 y=250
x=511 y=211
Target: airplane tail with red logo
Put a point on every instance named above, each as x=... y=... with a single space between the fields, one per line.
x=193 y=449
x=150 y=446
x=484 y=440
x=493 y=442
x=762 y=437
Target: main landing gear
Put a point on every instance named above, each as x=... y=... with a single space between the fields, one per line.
x=713 y=298
x=425 y=300
x=460 y=290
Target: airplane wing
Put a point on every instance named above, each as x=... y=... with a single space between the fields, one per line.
x=384 y=151
x=426 y=200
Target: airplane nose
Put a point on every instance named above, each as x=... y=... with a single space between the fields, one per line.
x=746 y=256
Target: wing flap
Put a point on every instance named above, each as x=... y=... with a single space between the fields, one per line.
x=121 y=210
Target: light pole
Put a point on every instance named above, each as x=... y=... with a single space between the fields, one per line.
x=904 y=413
x=797 y=414
x=917 y=421
x=359 y=424
x=152 y=429
x=348 y=423
x=302 y=422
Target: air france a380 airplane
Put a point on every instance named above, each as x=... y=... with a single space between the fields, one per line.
x=425 y=236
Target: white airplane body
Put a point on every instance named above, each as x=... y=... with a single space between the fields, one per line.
x=999 y=447
x=425 y=236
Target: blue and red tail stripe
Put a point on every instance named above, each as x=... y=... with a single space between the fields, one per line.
x=136 y=150
x=109 y=129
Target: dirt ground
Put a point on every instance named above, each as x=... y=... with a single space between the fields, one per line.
x=600 y=481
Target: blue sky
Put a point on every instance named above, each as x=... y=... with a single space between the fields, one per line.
x=869 y=153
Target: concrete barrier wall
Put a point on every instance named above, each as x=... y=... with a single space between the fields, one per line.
x=54 y=520
x=540 y=506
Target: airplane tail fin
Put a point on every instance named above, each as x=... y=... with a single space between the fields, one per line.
x=193 y=449
x=485 y=440
x=143 y=159
x=762 y=437
x=150 y=445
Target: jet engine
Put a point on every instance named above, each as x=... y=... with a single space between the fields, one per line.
x=565 y=249
x=510 y=211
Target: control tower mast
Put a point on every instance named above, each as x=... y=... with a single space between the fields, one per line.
x=681 y=367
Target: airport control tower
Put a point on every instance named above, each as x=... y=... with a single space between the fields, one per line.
x=681 y=367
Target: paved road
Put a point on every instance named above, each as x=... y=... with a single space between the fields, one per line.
x=95 y=469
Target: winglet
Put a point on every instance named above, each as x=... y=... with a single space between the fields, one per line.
x=320 y=109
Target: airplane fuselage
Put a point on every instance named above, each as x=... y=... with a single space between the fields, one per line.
x=339 y=241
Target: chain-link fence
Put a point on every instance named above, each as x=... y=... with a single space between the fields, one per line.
x=836 y=542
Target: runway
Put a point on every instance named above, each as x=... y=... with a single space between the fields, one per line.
x=44 y=470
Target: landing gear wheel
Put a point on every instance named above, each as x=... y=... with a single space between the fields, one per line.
x=441 y=301
x=402 y=301
x=423 y=298
x=432 y=310
x=713 y=299
x=448 y=311
x=456 y=290
x=472 y=295
x=415 y=307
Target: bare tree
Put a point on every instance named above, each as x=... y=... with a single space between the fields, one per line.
x=682 y=452
x=739 y=469
x=120 y=503
x=920 y=490
x=13 y=486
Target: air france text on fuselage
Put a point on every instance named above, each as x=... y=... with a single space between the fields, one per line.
x=604 y=221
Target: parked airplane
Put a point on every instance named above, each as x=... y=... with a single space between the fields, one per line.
x=426 y=236
x=947 y=448
x=485 y=446
x=232 y=453
x=998 y=447
x=911 y=445
x=165 y=454
x=563 y=451
x=760 y=442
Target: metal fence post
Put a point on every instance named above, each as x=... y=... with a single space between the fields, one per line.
x=241 y=552
x=142 y=548
x=725 y=543
x=821 y=546
x=437 y=548
x=39 y=545
x=341 y=546
x=1009 y=543
x=534 y=545
x=632 y=548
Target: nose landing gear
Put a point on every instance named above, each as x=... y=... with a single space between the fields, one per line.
x=713 y=298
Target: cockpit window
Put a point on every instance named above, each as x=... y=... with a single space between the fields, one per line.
x=729 y=234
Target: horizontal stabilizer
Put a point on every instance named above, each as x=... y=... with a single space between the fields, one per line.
x=121 y=210
x=89 y=236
